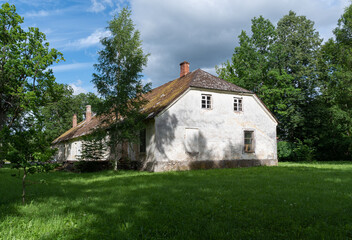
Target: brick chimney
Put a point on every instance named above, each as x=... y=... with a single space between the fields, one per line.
x=88 y=113
x=184 y=68
x=74 y=120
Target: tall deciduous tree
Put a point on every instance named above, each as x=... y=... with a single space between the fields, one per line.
x=280 y=66
x=25 y=87
x=24 y=59
x=118 y=81
x=336 y=88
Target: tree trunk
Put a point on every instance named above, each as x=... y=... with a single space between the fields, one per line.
x=115 y=164
x=116 y=155
x=24 y=185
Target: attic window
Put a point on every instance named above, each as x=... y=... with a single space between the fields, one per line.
x=206 y=101
x=237 y=104
x=249 y=141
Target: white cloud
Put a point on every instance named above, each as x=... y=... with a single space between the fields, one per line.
x=46 y=13
x=99 y=5
x=204 y=32
x=71 y=66
x=77 y=88
x=91 y=40
x=146 y=81
x=40 y=13
x=210 y=70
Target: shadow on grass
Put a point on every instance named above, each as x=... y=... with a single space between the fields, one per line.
x=261 y=202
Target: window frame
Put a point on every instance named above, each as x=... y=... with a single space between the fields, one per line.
x=238 y=104
x=208 y=106
x=191 y=134
x=253 y=142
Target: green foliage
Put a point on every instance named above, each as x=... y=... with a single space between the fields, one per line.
x=285 y=150
x=304 y=151
x=296 y=152
x=336 y=83
x=59 y=112
x=291 y=201
x=307 y=86
x=26 y=86
x=94 y=147
x=118 y=81
x=278 y=64
x=24 y=59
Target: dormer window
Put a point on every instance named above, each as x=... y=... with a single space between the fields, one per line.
x=237 y=104
x=206 y=101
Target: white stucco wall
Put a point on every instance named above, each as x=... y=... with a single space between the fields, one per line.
x=68 y=151
x=71 y=151
x=221 y=129
x=184 y=132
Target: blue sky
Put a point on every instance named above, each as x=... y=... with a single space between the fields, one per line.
x=203 y=32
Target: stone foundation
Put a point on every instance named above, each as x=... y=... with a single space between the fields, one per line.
x=209 y=164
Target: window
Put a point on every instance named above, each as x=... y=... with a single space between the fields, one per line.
x=206 y=101
x=248 y=141
x=192 y=140
x=237 y=104
x=142 y=141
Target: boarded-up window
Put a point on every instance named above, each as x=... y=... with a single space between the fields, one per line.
x=249 y=141
x=191 y=140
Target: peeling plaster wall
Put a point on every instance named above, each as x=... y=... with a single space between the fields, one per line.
x=185 y=136
x=220 y=130
x=68 y=151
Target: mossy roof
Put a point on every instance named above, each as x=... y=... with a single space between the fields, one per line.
x=159 y=98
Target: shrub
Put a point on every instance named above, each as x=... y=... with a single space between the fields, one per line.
x=285 y=151
x=91 y=166
x=304 y=151
x=298 y=151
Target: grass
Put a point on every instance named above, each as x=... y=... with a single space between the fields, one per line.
x=291 y=201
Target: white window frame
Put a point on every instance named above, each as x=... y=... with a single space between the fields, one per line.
x=206 y=101
x=245 y=148
x=238 y=104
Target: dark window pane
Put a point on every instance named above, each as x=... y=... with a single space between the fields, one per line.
x=248 y=141
x=247 y=134
x=143 y=141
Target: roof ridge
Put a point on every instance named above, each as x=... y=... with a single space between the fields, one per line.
x=214 y=82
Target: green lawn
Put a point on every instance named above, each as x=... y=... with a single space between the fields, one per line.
x=291 y=201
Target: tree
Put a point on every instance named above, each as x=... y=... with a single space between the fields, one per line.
x=279 y=65
x=118 y=81
x=24 y=58
x=26 y=85
x=336 y=87
x=93 y=147
x=25 y=145
x=59 y=111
